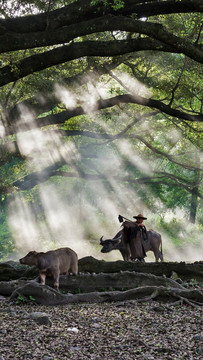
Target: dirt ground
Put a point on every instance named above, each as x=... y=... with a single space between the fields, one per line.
x=127 y=330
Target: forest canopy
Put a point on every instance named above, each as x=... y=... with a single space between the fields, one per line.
x=100 y=100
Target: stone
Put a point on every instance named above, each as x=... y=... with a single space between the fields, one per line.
x=198 y=337
x=41 y=318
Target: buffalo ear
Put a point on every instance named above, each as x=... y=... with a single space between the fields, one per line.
x=119 y=241
x=118 y=238
x=116 y=241
x=32 y=253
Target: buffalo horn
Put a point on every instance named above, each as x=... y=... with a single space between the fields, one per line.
x=101 y=240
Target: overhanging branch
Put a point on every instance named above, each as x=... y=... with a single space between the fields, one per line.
x=63 y=116
x=84 y=10
x=74 y=51
x=36 y=178
x=16 y=41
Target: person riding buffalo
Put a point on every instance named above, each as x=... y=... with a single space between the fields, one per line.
x=139 y=222
x=133 y=236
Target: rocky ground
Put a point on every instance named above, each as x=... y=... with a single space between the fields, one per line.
x=127 y=330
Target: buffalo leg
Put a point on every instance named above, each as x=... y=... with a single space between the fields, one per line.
x=158 y=255
x=161 y=256
x=126 y=252
x=42 y=278
x=56 y=280
x=74 y=269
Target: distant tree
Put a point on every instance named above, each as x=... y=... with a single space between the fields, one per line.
x=91 y=43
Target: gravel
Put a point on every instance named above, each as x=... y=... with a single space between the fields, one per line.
x=127 y=330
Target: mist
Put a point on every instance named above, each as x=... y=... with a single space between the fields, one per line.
x=75 y=212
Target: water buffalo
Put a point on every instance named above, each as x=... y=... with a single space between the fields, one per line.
x=116 y=244
x=53 y=263
x=152 y=243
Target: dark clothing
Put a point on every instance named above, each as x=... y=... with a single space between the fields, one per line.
x=132 y=236
x=143 y=232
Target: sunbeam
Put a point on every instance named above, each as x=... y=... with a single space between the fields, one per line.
x=93 y=182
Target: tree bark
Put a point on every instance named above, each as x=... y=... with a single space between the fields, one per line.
x=194 y=196
x=13 y=270
x=81 y=18
x=65 y=115
x=136 y=281
x=183 y=270
x=83 y=9
x=97 y=282
x=15 y=41
x=74 y=51
x=45 y=295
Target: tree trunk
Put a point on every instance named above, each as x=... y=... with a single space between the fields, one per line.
x=194 y=197
x=193 y=208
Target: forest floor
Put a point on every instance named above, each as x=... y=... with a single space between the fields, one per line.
x=113 y=331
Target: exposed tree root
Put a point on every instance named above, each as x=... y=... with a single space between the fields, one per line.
x=85 y=283
x=48 y=296
x=188 y=302
x=12 y=270
x=139 y=282
x=151 y=297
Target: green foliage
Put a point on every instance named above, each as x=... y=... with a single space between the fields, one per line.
x=179 y=231
x=11 y=171
x=114 y=4
x=170 y=147
x=7 y=245
x=172 y=229
x=193 y=283
x=21 y=300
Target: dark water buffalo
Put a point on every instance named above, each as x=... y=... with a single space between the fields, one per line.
x=53 y=263
x=152 y=243
x=116 y=244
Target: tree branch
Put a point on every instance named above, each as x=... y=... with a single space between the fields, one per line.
x=74 y=51
x=38 y=177
x=166 y=155
x=63 y=116
x=15 y=41
x=84 y=10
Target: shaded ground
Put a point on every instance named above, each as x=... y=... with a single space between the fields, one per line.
x=125 y=330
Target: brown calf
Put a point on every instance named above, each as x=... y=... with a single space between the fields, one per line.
x=53 y=262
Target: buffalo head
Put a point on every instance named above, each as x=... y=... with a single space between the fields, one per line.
x=110 y=244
